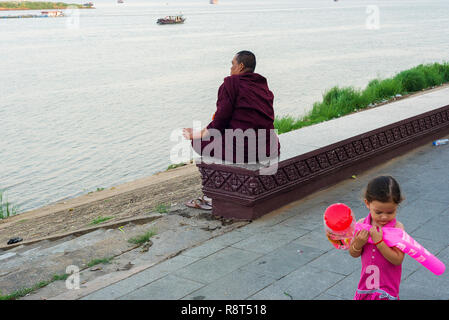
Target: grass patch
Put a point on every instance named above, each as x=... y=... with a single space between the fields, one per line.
x=98 y=189
x=6 y=208
x=379 y=90
x=176 y=165
x=94 y=262
x=142 y=238
x=161 y=208
x=338 y=101
x=24 y=291
x=100 y=219
x=58 y=277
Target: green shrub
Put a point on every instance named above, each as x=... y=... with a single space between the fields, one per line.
x=412 y=80
x=337 y=101
x=94 y=262
x=443 y=69
x=380 y=90
x=142 y=238
x=431 y=74
x=176 y=165
x=24 y=291
x=162 y=208
x=99 y=220
x=6 y=208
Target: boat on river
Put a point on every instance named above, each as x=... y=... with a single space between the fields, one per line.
x=171 y=20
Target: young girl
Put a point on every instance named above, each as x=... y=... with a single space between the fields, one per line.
x=381 y=265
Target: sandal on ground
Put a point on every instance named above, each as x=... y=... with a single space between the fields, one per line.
x=206 y=200
x=198 y=204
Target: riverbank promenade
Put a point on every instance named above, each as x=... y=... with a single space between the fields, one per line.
x=285 y=254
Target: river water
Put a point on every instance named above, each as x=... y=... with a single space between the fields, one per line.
x=90 y=100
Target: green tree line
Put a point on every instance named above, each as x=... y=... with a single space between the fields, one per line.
x=36 y=5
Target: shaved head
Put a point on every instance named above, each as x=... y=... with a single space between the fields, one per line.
x=248 y=59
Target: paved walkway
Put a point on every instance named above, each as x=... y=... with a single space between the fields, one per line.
x=285 y=254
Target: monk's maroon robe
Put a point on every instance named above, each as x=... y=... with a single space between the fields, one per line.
x=244 y=102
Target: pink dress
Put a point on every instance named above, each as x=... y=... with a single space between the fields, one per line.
x=379 y=279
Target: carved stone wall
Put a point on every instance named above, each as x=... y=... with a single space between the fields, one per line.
x=247 y=186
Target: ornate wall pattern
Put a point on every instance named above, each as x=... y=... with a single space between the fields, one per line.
x=238 y=182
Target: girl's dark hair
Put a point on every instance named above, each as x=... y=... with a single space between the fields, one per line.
x=384 y=189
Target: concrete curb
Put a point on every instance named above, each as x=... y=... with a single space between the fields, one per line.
x=112 y=278
x=335 y=150
x=79 y=232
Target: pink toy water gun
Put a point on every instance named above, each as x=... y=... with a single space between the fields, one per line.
x=340 y=226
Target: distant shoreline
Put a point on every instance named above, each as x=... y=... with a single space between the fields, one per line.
x=41 y=5
x=57 y=8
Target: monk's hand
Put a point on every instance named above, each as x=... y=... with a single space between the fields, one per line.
x=360 y=238
x=376 y=234
x=187 y=133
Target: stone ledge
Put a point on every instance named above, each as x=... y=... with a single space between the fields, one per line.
x=77 y=233
x=242 y=193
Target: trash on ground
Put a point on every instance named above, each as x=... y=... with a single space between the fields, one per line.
x=440 y=142
x=128 y=266
x=96 y=268
x=146 y=246
x=14 y=240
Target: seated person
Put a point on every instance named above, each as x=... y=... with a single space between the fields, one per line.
x=242 y=129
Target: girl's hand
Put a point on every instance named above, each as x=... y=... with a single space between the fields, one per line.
x=376 y=234
x=187 y=133
x=360 y=238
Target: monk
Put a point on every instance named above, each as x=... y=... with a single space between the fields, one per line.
x=242 y=125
